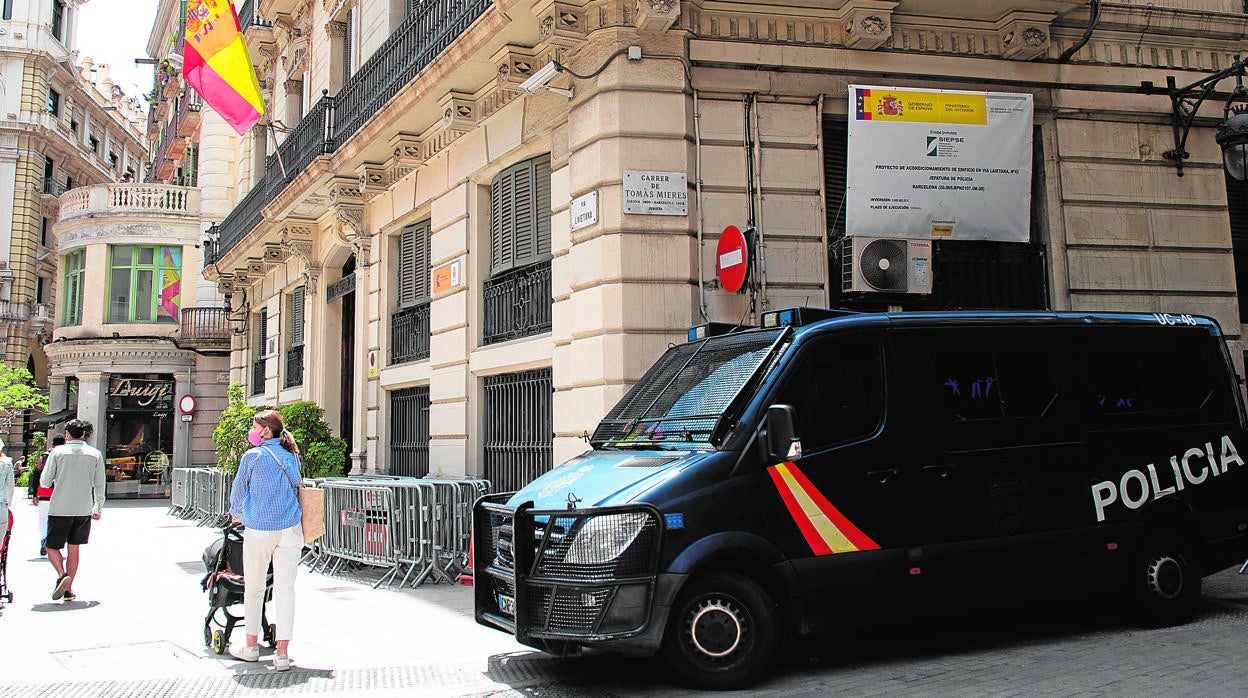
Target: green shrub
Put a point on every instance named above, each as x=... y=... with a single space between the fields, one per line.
x=323 y=454
x=230 y=436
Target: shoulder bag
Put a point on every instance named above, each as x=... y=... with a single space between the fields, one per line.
x=311 y=502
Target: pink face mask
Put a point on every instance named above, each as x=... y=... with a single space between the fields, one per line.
x=254 y=436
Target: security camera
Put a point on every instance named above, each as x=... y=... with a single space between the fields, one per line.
x=539 y=79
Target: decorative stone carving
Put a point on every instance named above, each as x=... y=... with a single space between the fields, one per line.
x=255 y=267
x=273 y=255
x=515 y=65
x=293 y=87
x=336 y=30
x=406 y=150
x=297 y=238
x=656 y=16
x=1024 y=36
x=361 y=245
x=345 y=191
x=311 y=277
x=867 y=25
x=350 y=217
x=373 y=178
x=459 y=113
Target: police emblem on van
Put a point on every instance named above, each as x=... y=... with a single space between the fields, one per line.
x=1136 y=488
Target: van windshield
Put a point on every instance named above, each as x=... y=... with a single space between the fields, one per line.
x=682 y=397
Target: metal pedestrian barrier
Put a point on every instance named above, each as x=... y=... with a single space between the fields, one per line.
x=202 y=494
x=416 y=529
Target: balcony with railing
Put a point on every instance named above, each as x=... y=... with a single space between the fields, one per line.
x=130 y=199
x=53 y=187
x=333 y=120
x=409 y=334
x=188 y=113
x=206 y=327
x=517 y=304
x=14 y=311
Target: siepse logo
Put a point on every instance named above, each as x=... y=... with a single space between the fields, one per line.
x=1135 y=489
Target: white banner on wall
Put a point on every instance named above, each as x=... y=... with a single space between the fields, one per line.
x=942 y=164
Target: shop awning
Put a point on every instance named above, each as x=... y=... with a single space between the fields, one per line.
x=48 y=421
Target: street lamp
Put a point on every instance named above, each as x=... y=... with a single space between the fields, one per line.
x=1232 y=135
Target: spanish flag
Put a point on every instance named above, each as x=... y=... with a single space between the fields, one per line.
x=216 y=63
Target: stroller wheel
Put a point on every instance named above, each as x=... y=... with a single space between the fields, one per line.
x=270 y=635
x=207 y=636
x=219 y=643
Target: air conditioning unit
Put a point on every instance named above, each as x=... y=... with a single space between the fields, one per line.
x=886 y=265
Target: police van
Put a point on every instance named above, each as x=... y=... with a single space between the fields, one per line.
x=831 y=468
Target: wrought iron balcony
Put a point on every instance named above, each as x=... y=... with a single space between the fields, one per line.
x=517 y=303
x=409 y=334
x=188 y=113
x=333 y=120
x=206 y=325
x=249 y=16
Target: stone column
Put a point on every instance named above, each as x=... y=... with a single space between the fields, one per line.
x=259 y=150
x=337 y=32
x=93 y=404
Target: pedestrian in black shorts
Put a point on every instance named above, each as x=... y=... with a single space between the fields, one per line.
x=76 y=471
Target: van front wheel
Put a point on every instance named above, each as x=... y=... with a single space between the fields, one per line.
x=722 y=632
x=1165 y=582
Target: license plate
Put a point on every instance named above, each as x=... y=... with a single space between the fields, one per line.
x=507 y=604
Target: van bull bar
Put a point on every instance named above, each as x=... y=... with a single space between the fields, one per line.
x=587 y=574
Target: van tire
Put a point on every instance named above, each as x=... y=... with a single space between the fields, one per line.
x=721 y=633
x=1165 y=582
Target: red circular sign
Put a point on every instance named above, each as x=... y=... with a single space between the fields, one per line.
x=732 y=260
x=186 y=403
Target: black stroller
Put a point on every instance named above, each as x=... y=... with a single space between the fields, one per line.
x=223 y=560
x=5 y=594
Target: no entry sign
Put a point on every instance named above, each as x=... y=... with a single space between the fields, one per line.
x=732 y=259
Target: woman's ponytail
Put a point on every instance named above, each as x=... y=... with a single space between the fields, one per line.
x=288 y=442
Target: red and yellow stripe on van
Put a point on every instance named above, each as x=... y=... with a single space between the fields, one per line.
x=826 y=529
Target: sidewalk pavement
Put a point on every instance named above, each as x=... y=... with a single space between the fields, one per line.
x=136 y=627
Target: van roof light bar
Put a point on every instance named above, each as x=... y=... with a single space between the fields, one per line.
x=801 y=316
x=712 y=329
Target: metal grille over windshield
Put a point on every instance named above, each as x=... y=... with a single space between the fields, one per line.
x=682 y=397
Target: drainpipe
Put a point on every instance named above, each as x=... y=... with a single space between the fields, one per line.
x=697 y=174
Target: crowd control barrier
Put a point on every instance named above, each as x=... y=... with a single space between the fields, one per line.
x=416 y=529
x=201 y=494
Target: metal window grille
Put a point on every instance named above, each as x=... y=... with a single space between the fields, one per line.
x=517 y=304
x=519 y=428
x=294 y=367
x=258 y=364
x=409 y=334
x=409 y=432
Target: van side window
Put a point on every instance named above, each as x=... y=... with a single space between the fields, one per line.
x=968 y=384
x=837 y=390
x=1152 y=377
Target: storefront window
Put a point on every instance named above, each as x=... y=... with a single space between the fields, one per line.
x=145 y=284
x=138 y=446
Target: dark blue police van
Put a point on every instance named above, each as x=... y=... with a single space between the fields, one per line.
x=832 y=468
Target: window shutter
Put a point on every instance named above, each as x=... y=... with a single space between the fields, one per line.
x=541 y=213
x=421 y=262
x=835 y=162
x=522 y=213
x=296 y=317
x=262 y=332
x=502 y=225
x=346 y=46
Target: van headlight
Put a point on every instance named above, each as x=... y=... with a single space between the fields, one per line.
x=604 y=538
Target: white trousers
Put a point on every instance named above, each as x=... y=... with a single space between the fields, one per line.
x=283 y=548
x=43 y=519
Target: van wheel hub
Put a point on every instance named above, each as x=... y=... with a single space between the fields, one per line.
x=716 y=628
x=1165 y=577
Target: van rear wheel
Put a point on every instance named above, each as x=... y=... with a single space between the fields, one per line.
x=721 y=633
x=1165 y=583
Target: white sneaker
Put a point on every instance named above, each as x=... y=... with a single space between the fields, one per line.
x=247 y=653
x=281 y=662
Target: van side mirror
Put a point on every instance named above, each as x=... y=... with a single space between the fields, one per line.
x=783 y=443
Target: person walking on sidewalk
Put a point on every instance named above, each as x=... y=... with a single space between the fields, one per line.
x=6 y=484
x=76 y=471
x=265 y=499
x=43 y=495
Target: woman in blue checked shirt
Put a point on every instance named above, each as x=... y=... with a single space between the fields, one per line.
x=265 y=499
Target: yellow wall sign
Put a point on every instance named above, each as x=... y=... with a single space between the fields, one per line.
x=875 y=104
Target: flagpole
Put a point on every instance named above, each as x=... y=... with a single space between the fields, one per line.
x=276 y=150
